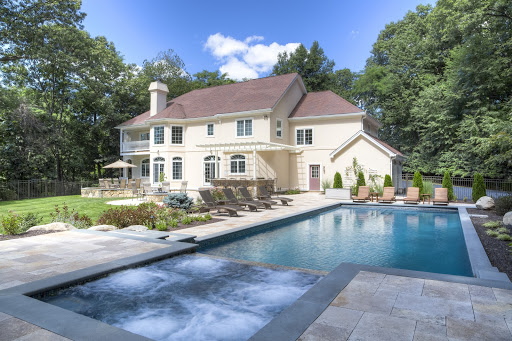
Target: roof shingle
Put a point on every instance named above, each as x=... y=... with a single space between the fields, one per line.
x=323 y=103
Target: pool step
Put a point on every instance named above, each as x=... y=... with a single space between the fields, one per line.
x=493 y=274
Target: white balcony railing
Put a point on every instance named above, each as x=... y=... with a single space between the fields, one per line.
x=135 y=146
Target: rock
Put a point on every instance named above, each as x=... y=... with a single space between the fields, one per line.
x=137 y=228
x=103 y=228
x=507 y=218
x=485 y=203
x=52 y=227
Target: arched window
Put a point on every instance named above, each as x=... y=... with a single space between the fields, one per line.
x=144 y=168
x=158 y=167
x=237 y=165
x=177 y=168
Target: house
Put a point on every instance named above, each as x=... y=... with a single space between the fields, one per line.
x=262 y=128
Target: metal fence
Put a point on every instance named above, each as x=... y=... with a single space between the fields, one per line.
x=463 y=187
x=31 y=189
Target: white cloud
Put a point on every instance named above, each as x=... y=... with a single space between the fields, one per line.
x=242 y=59
x=354 y=34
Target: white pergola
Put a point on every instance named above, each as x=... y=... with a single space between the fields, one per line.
x=256 y=146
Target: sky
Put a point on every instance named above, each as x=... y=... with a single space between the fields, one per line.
x=242 y=38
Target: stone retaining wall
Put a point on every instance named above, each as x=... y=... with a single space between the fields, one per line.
x=92 y=192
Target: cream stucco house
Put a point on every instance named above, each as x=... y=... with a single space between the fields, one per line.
x=263 y=128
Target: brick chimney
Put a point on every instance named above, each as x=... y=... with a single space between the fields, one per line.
x=158 y=91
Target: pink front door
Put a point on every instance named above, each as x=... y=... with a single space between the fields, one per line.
x=314 y=177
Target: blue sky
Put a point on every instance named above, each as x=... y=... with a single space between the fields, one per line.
x=242 y=37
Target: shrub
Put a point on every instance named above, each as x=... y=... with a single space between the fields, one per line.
x=428 y=187
x=502 y=230
x=11 y=224
x=7 y=194
x=447 y=183
x=478 y=187
x=161 y=225
x=124 y=216
x=217 y=194
x=178 y=200
x=417 y=181
x=173 y=223
x=387 y=181
x=186 y=220
x=360 y=182
x=70 y=217
x=492 y=224
x=28 y=220
x=292 y=191
x=338 y=183
x=503 y=205
x=208 y=216
x=492 y=233
x=326 y=184
x=504 y=236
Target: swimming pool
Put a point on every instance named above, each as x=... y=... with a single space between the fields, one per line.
x=408 y=238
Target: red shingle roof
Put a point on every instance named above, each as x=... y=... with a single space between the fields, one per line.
x=395 y=151
x=323 y=103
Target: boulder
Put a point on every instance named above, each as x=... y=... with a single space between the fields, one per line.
x=52 y=227
x=507 y=219
x=485 y=203
x=137 y=228
x=103 y=228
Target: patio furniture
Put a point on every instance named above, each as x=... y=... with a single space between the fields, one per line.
x=115 y=183
x=212 y=204
x=441 y=196
x=388 y=195
x=413 y=195
x=247 y=196
x=107 y=183
x=265 y=195
x=146 y=189
x=122 y=185
x=137 y=182
x=166 y=186
x=233 y=200
x=101 y=182
x=363 y=194
x=136 y=192
x=374 y=194
x=183 y=188
x=426 y=195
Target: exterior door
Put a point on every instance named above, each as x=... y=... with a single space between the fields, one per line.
x=209 y=169
x=314 y=177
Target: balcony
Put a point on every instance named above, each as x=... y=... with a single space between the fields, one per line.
x=135 y=146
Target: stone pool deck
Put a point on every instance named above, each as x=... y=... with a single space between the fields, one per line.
x=372 y=305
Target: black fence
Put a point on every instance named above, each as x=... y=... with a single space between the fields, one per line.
x=463 y=187
x=32 y=189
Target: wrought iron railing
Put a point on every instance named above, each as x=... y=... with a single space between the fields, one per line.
x=31 y=189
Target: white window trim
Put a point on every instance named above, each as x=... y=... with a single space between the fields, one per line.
x=282 y=128
x=236 y=126
x=152 y=136
x=206 y=126
x=149 y=165
x=183 y=135
x=152 y=169
x=202 y=171
x=312 y=137
x=182 y=168
x=147 y=132
x=245 y=160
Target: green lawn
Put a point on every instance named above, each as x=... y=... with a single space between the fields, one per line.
x=93 y=207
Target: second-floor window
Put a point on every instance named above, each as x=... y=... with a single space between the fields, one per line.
x=144 y=136
x=244 y=128
x=279 y=128
x=158 y=135
x=176 y=135
x=304 y=137
x=210 y=129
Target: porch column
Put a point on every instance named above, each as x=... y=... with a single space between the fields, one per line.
x=254 y=188
x=217 y=168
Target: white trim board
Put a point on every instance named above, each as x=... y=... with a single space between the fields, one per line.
x=367 y=137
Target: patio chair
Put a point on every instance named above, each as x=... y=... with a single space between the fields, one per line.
x=166 y=186
x=101 y=182
x=388 y=195
x=233 y=200
x=137 y=182
x=264 y=195
x=146 y=189
x=413 y=195
x=248 y=197
x=212 y=204
x=106 y=182
x=115 y=183
x=363 y=194
x=122 y=185
x=136 y=192
x=440 y=196
x=183 y=188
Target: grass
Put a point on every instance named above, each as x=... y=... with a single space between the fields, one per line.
x=92 y=207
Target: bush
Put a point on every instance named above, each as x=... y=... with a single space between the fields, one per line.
x=186 y=220
x=492 y=224
x=125 y=216
x=492 y=233
x=292 y=191
x=28 y=220
x=338 y=183
x=217 y=194
x=178 y=200
x=502 y=230
x=428 y=187
x=503 y=205
x=208 y=216
x=326 y=184
x=70 y=217
x=360 y=182
x=11 y=224
x=478 y=187
x=7 y=194
x=387 y=181
x=504 y=236
x=417 y=181
x=447 y=183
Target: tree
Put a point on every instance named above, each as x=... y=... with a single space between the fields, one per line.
x=387 y=181
x=417 y=181
x=205 y=79
x=360 y=179
x=338 y=183
x=478 y=187
x=447 y=183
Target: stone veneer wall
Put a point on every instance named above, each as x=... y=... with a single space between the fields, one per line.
x=91 y=192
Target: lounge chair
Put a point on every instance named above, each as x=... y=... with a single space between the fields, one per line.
x=388 y=195
x=264 y=195
x=233 y=200
x=212 y=204
x=363 y=194
x=440 y=196
x=248 y=197
x=413 y=195
x=166 y=186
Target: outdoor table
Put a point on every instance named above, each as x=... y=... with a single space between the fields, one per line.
x=376 y=194
x=427 y=196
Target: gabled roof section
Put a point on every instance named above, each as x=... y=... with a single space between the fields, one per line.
x=323 y=103
x=137 y=120
x=392 y=152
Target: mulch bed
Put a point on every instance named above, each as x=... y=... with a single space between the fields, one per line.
x=194 y=224
x=497 y=250
x=24 y=235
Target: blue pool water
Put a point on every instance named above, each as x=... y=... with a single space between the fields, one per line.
x=414 y=239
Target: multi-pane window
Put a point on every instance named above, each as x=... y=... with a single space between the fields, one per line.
x=304 y=137
x=144 y=168
x=279 y=128
x=210 y=129
x=244 y=128
x=158 y=135
x=144 y=136
x=237 y=165
x=176 y=135
x=158 y=168
x=315 y=172
x=177 y=168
